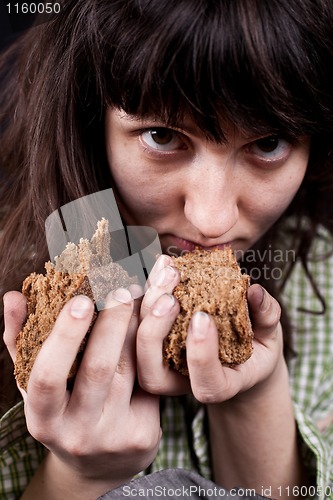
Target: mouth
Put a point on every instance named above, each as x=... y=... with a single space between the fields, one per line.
x=176 y=244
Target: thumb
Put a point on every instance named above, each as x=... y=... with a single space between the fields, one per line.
x=265 y=312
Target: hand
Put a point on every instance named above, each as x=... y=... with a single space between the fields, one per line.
x=213 y=383
x=208 y=380
x=252 y=407
x=107 y=429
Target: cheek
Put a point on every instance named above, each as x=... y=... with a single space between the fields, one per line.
x=143 y=189
x=127 y=176
x=141 y=193
x=132 y=186
x=270 y=199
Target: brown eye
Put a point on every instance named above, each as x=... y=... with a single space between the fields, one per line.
x=162 y=136
x=162 y=139
x=268 y=144
x=270 y=149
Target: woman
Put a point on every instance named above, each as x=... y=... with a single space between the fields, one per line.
x=212 y=122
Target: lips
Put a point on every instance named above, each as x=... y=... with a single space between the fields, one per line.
x=189 y=246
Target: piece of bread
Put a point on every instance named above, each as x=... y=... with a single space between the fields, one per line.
x=86 y=268
x=212 y=282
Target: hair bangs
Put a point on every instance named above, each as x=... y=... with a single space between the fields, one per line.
x=217 y=62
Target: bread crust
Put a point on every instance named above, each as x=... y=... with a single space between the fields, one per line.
x=83 y=269
x=212 y=282
x=46 y=296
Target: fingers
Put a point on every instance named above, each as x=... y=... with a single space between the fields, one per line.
x=154 y=374
x=265 y=312
x=147 y=408
x=163 y=278
x=85 y=426
x=47 y=383
x=208 y=381
x=211 y=382
x=108 y=368
x=161 y=262
x=158 y=312
x=15 y=312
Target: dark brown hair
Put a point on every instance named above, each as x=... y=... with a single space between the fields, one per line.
x=263 y=66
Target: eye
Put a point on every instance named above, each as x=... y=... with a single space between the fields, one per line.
x=162 y=139
x=270 y=148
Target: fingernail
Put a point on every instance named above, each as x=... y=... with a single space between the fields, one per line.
x=163 y=305
x=162 y=261
x=199 y=324
x=81 y=307
x=166 y=276
x=122 y=295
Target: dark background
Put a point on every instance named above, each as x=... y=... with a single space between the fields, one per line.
x=14 y=23
x=6 y=30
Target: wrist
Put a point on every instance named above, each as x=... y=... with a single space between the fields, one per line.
x=256 y=430
x=86 y=485
x=55 y=480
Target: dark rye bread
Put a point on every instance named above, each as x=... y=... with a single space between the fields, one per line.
x=86 y=268
x=212 y=282
x=46 y=296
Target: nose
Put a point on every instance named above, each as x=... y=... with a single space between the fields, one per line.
x=211 y=201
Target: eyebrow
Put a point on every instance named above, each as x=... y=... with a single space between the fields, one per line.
x=190 y=128
x=149 y=120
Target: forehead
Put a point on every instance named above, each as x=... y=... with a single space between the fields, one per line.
x=217 y=62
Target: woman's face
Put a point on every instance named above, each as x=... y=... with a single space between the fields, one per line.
x=198 y=193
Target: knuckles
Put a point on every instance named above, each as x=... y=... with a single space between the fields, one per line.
x=148 y=385
x=142 y=441
x=75 y=444
x=96 y=371
x=207 y=395
x=41 y=430
x=44 y=383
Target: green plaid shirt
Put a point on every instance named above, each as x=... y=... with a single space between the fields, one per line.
x=311 y=379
